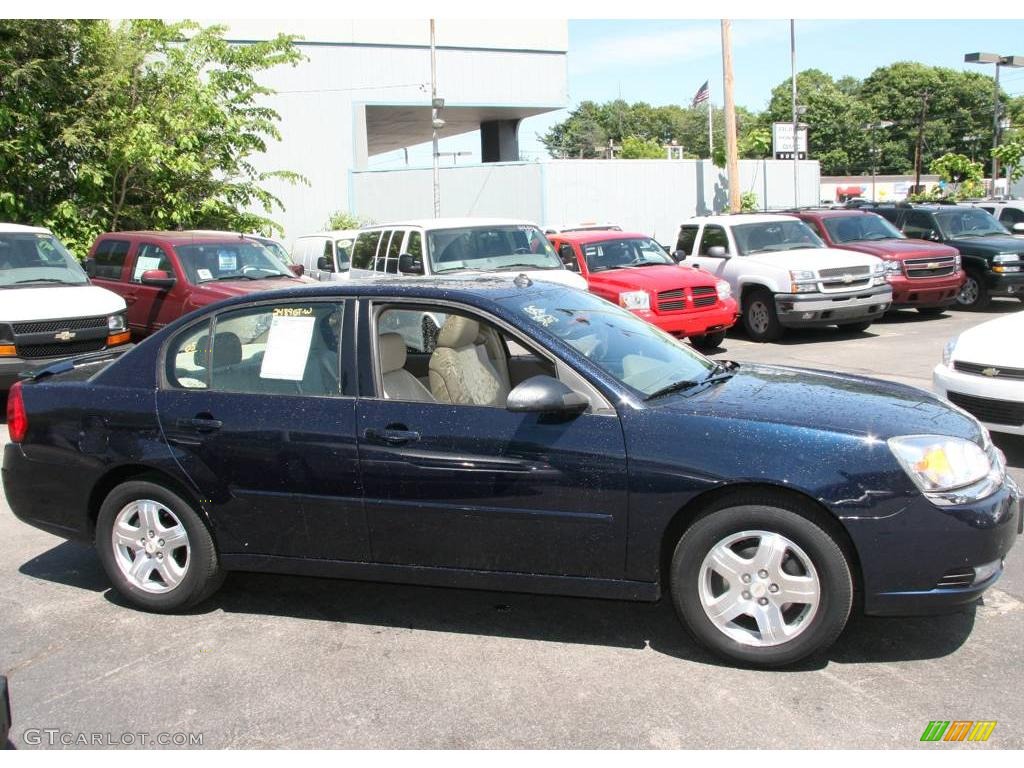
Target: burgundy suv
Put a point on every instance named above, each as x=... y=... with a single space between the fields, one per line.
x=164 y=275
x=923 y=275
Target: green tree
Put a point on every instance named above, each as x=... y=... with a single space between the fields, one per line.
x=346 y=220
x=1011 y=157
x=158 y=125
x=964 y=174
x=635 y=148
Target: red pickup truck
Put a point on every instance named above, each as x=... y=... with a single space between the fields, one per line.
x=164 y=275
x=635 y=272
x=923 y=275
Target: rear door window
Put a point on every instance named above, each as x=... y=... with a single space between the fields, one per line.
x=365 y=250
x=687 y=237
x=109 y=259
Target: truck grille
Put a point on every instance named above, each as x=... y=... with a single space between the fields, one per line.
x=1000 y=372
x=29 y=351
x=993 y=411
x=937 y=267
x=53 y=326
x=675 y=300
x=844 y=279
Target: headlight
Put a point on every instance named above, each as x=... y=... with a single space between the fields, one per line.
x=879 y=272
x=949 y=470
x=957 y=261
x=803 y=281
x=947 y=351
x=1002 y=258
x=724 y=290
x=115 y=323
x=893 y=269
x=635 y=300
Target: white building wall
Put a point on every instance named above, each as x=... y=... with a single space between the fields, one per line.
x=650 y=196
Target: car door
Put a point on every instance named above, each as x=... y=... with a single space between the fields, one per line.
x=107 y=265
x=479 y=487
x=258 y=408
x=712 y=235
x=152 y=306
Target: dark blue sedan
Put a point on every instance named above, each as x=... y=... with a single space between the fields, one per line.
x=515 y=436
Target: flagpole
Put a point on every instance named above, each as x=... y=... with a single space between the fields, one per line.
x=711 y=132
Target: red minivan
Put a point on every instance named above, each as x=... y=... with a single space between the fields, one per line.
x=633 y=271
x=164 y=275
x=923 y=275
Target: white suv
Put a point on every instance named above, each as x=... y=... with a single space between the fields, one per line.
x=783 y=274
x=1009 y=212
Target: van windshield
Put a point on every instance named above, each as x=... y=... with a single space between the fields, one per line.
x=37 y=258
x=499 y=248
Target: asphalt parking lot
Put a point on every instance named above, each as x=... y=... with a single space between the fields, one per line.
x=298 y=662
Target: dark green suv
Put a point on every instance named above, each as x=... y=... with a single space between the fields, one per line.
x=992 y=257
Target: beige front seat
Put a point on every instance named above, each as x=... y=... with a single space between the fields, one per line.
x=399 y=384
x=458 y=373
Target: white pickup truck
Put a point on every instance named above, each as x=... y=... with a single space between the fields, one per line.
x=783 y=274
x=48 y=309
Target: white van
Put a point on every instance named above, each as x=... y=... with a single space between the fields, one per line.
x=434 y=247
x=325 y=256
x=48 y=309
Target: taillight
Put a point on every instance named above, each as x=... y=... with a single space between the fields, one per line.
x=17 y=421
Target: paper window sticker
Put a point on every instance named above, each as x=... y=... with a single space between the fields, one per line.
x=287 y=348
x=204 y=274
x=146 y=263
x=227 y=262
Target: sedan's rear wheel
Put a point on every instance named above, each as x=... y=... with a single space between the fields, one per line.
x=761 y=585
x=154 y=547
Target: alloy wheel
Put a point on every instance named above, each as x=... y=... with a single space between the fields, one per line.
x=758 y=315
x=759 y=588
x=969 y=292
x=151 y=546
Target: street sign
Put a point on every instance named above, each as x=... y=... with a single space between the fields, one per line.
x=782 y=141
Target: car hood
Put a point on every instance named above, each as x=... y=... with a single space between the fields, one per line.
x=996 y=342
x=57 y=302
x=989 y=244
x=227 y=289
x=831 y=402
x=901 y=249
x=654 y=279
x=812 y=259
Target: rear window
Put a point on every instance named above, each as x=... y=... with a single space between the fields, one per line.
x=108 y=261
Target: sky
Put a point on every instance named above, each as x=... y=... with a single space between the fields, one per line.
x=666 y=61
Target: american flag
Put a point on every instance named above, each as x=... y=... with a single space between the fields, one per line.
x=702 y=95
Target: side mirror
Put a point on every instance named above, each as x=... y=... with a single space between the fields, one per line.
x=543 y=394
x=933 y=235
x=410 y=265
x=1018 y=228
x=324 y=264
x=297 y=269
x=718 y=252
x=679 y=255
x=157 y=277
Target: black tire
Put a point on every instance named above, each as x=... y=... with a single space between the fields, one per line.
x=860 y=327
x=708 y=341
x=974 y=294
x=931 y=311
x=746 y=514
x=761 y=327
x=203 y=575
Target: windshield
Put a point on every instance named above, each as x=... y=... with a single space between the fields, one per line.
x=633 y=351
x=851 y=229
x=28 y=258
x=627 y=252
x=229 y=261
x=490 y=249
x=277 y=250
x=765 y=236
x=969 y=222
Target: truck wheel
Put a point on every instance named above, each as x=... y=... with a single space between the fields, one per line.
x=156 y=550
x=974 y=293
x=708 y=341
x=860 y=327
x=759 y=316
x=761 y=585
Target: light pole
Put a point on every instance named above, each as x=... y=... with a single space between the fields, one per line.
x=436 y=105
x=999 y=61
x=796 y=117
x=872 y=127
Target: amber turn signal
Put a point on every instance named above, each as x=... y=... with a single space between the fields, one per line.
x=118 y=338
x=7 y=350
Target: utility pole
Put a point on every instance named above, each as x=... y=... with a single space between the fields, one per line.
x=920 y=141
x=796 y=119
x=732 y=162
x=435 y=121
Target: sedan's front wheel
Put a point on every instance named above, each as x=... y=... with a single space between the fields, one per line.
x=761 y=585
x=156 y=550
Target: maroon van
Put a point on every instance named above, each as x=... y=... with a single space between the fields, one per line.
x=164 y=275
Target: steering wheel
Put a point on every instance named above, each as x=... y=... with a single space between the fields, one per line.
x=250 y=268
x=522 y=250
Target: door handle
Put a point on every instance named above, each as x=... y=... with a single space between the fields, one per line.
x=130 y=298
x=201 y=424
x=391 y=436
